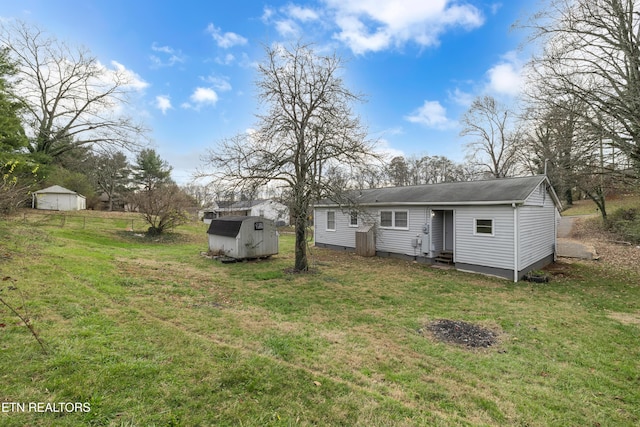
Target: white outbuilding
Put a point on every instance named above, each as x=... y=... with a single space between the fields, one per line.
x=57 y=198
x=243 y=237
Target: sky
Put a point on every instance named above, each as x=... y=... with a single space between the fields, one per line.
x=418 y=63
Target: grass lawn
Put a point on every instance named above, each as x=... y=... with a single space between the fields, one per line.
x=588 y=207
x=149 y=332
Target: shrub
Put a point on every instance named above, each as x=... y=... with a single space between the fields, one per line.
x=626 y=224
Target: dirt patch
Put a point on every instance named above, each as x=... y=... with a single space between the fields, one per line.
x=463 y=333
x=625 y=318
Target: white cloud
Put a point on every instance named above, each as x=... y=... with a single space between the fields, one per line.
x=373 y=25
x=228 y=59
x=506 y=78
x=287 y=28
x=204 y=96
x=432 y=114
x=386 y=150
x=172 y=56
x=163 y=103
x=131 y=78
x=461 y=98
x=302 y=14
x=220 y=83
x=267 y=14
x=227 y=39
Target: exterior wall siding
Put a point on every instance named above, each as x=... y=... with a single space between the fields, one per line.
x=224 y=244
x=271 y=210
x=344 y=234
x=401 y=241
x=387 y=239
x=537 y=229
x=60 y=202
x=489 y=251
x=495 y=253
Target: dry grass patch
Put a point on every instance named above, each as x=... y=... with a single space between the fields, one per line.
x=613 y=254
x=625 y=318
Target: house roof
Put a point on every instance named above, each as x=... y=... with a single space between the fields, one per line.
x=240 y=205
x=488 y=192
x=55 y=189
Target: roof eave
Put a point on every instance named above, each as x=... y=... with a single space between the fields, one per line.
x=476 y=203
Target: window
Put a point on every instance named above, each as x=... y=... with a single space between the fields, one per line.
x=401 y=220
x=331 y=221
x=484 y=226
x=394 y=219
x=386 y=219
x=353 y=219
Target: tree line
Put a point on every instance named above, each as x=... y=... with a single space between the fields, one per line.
x=63 y=121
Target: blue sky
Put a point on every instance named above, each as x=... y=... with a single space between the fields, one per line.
x=418 y=62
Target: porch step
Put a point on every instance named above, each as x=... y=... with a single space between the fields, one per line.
x=444 y=257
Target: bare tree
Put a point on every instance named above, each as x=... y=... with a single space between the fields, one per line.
x=558 y=142
x=70 y=99
x=203 y=195
x=495 y=136
x=307 y=130
x=398 y=171
x=163 y=207
x=592 y=53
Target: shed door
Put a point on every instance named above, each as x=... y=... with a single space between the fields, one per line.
x=448 y=230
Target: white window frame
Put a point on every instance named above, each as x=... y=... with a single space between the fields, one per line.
x=353 y=214
x=475 y=227
x=393 y=225
x=334 y=221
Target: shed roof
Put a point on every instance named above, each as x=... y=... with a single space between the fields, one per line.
x=495 y=191
x=55 y=189
x=228 y=226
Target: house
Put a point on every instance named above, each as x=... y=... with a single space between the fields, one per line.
x=243 y=237
x=266 y=208
x=503 y=227
x=58 y=198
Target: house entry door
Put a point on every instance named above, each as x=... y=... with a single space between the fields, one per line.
x=448 y=230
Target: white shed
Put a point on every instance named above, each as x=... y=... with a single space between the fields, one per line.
x=57 y=198
x=243 y=237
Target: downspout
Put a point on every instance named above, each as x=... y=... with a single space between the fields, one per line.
x=555 y=232
x=429 y=238
x=453 y=228
x=515 y=242
x=315 y=225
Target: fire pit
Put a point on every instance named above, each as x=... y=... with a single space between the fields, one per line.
x=463 y=333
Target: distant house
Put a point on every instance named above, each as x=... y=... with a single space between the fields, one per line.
x=503 y=227
x=57 y=198
x=266 y=208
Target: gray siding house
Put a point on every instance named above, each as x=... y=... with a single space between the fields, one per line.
x=504 y=227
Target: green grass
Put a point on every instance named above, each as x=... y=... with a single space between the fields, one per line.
x=588 y=207
x=149 y=332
